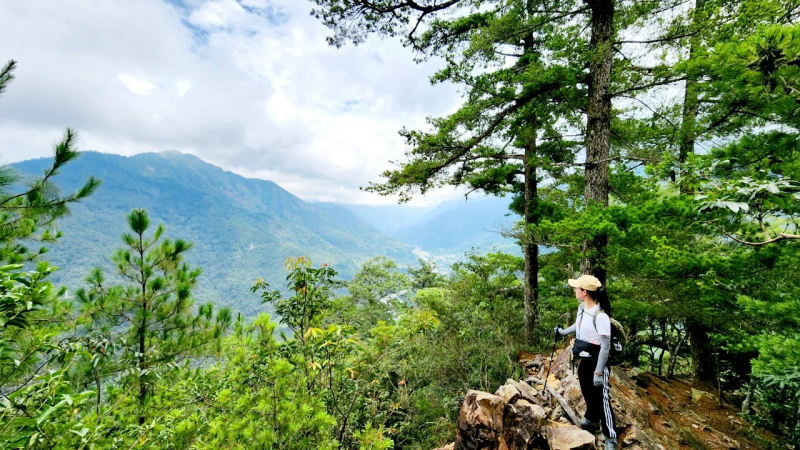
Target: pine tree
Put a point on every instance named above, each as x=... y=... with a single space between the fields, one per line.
x=507 y=133
x=23 y=213
x=151 y=313
x=537 y=90
x=730 y=95
x=34 y=361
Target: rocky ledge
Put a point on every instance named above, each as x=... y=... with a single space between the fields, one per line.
x=652 y=414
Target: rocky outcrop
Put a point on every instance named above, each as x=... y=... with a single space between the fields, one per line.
x=523 y=415
x=651 y=413
x=516 y=417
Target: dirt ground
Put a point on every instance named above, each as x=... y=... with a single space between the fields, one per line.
x=700 y=423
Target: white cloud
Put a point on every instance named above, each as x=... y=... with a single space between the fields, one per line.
x=182 y=87
x=137 y=86
x=251 y=86
x=218 y=14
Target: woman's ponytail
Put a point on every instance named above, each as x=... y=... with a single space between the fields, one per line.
x=600 y=296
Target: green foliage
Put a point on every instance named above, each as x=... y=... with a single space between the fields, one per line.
x=252 y=397
x=22 y=294
x=311 y=295
x=152 y=315
x=462 y=335
x=377 y=281
x=377 y=293
x=39 y=408
x=751 y=188
x=35 y=408
x=372 y=439
x=426 y=276
x=7 y=74
x=44 y=414
x=23 y=214
x=777 y=394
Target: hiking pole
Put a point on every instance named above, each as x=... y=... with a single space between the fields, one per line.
x=555 y=341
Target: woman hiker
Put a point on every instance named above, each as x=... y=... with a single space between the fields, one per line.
x=592 y=343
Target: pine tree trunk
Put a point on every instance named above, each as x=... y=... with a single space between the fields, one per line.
x=690 y=98
x=700 y=344
x=703 y=366
x=531 y=250
x=689 y=114
x=142 y=364
x=598 y=139
x=531 y=212
x=142 y=332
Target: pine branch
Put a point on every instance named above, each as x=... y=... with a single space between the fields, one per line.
x=648 y=86
x=7 y=74
x=659 y=40
x=498 y=119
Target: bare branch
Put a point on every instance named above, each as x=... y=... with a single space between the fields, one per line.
x=780 y=237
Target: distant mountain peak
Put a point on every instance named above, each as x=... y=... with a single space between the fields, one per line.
x=179 y=155
x=172 y=152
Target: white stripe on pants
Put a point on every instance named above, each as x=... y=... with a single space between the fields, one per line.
x=607 y=404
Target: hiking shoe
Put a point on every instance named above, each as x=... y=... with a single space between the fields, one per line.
x=611 y=443
x=587 y=425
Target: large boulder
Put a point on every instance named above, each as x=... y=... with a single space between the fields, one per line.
x=507 y=421
x=522 y=425
x=480 y=422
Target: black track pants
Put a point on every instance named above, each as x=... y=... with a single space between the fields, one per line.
x=598 y=403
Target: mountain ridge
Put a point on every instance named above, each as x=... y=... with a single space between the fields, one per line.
x=242 y=228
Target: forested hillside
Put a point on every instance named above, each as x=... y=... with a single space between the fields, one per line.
x=241 y=228
x=653 y=146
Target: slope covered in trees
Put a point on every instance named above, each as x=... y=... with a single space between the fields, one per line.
x=240 y=227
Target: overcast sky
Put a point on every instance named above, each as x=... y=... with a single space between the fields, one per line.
x=248 y=85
